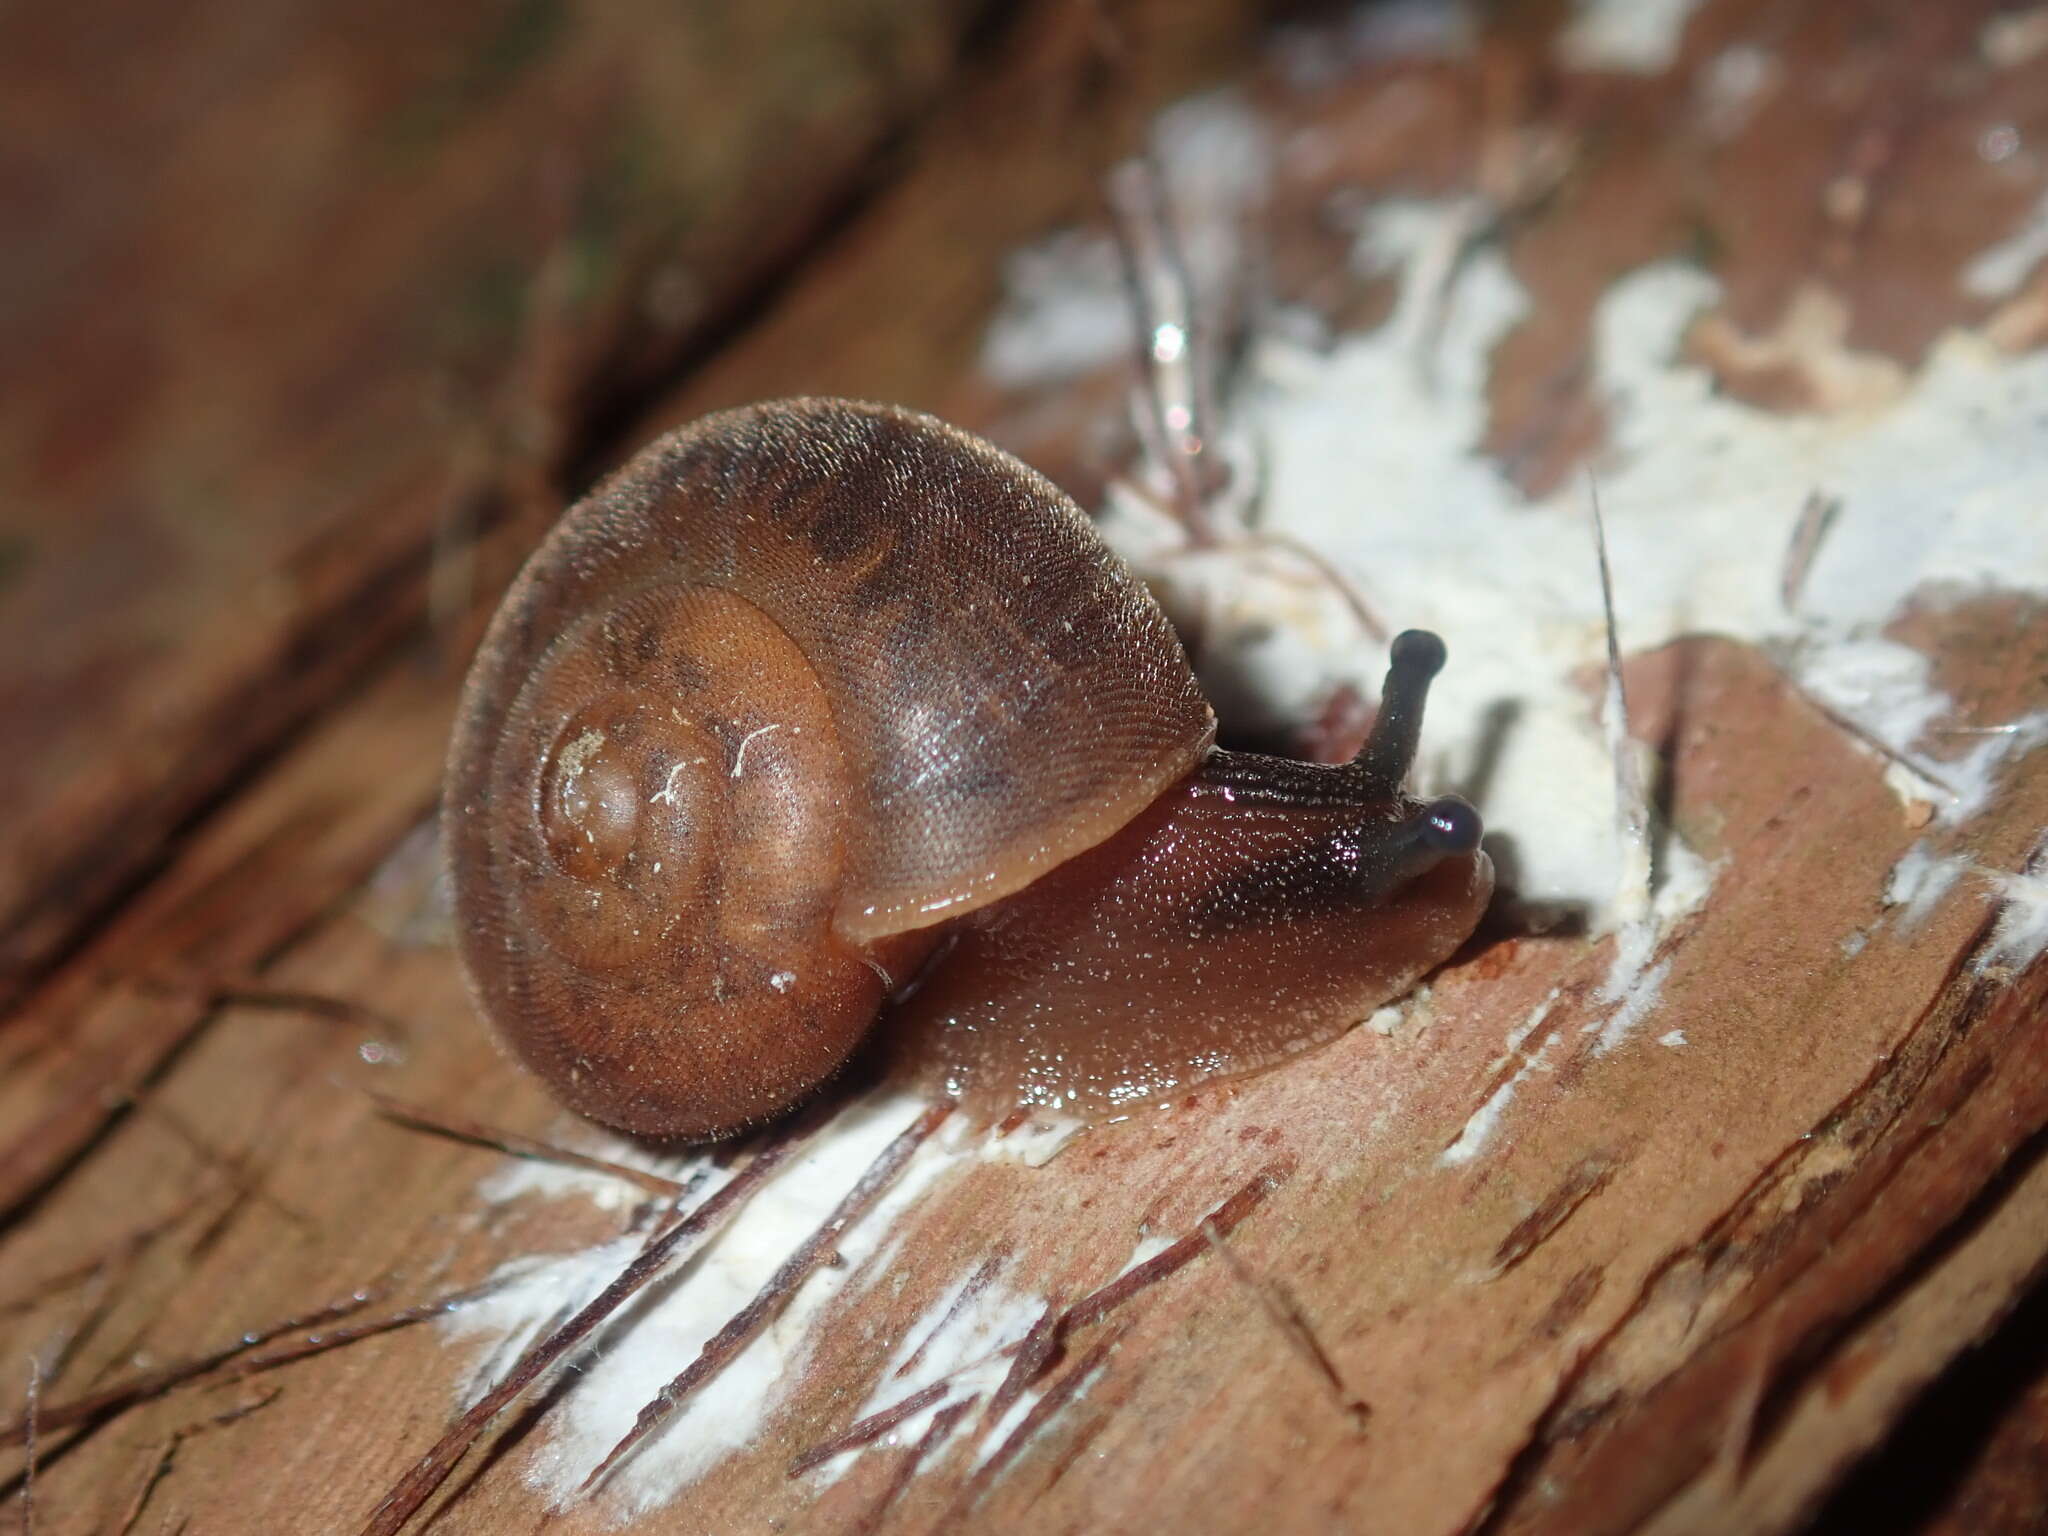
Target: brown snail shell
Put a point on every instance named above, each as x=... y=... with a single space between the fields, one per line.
x=801 y=682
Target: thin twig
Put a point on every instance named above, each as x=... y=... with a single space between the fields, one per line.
x=1816 y=517
x=154 y=1383
x=91 y=1312
x=1224 y=1219
x=224 y=1362
x=1286 y=1315
x=867 y=1430
x=774 y=1296
x=1361 y=611
x=977 y=1282
x=1035 y=1352
x=355 y=1333
x=165 y=1451
x=30 y=1415
x=1631 y=803
x=1056 y=1397
x=1857 y=731
x=418 y=1485
x=247 y=991
x=1173 y=356
x=516 y=1145
x=93 y=1263
x=152 y=1475
x=942 y=1425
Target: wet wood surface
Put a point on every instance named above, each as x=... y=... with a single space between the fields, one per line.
x=307 y=311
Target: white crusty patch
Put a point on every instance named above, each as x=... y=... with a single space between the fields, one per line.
x=662 y=1330
x=1065 y=312
x=1733 y=84
x=1918 y=882
x=1371 y=454
x=1637 y=37
x=1997 y=273
x=1645 y=990
x=2020 y=936
x=962 y=1340
x=1478 y=1130
x=1066 y=306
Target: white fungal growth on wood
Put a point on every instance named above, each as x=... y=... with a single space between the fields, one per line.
x=1479 y=1130
x=964 y=1342
x=1064 y=313
x=1638 y=37
x=1637 y=993
x=1375 y=460
x=1997 y=273
x=2021 y=934
x=1034 y=1143
x=983 y=1345
x=1919 y=881
x=660 y=1332
x=1369 y=453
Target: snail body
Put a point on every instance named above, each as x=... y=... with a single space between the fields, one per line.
x=820 y=711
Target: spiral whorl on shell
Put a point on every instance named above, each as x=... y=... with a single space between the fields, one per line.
x=799 y=683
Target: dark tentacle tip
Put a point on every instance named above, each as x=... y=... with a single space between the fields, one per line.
x=1451 y=826
x=1417 y=651
x=1415 y=657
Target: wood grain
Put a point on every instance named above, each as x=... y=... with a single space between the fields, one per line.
x=1685 y=1290
x=310 y=286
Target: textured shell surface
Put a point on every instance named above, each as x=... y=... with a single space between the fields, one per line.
x=798 y=683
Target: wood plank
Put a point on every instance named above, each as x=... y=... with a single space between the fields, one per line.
x=306 y=286
x=1683 y=1290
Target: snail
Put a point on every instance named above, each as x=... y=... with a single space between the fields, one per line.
x=819 y=712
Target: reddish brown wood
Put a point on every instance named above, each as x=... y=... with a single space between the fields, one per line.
x=308 y=288
x=1686 y=1291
